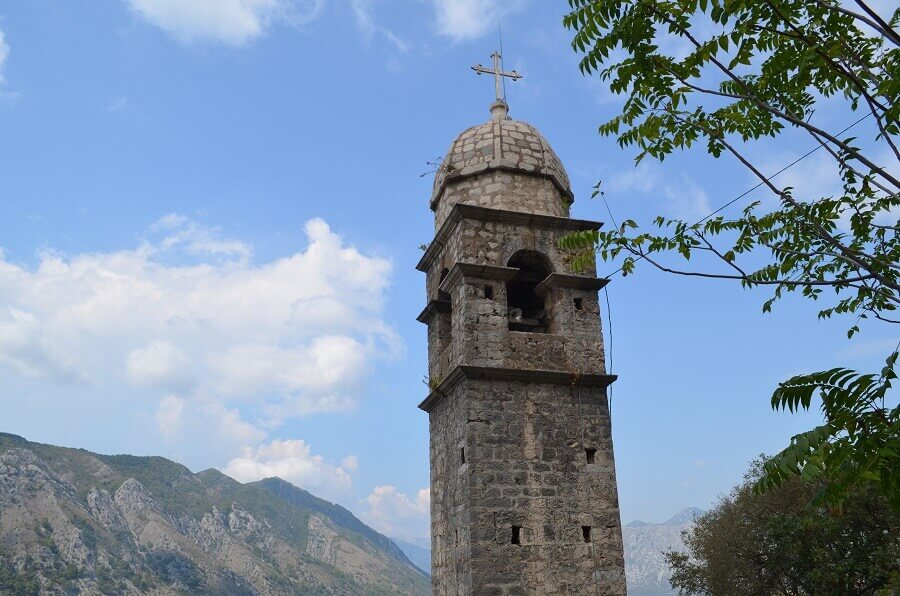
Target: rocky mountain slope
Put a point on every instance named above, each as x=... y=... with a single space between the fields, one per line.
x=645 y=566
x=75 y=521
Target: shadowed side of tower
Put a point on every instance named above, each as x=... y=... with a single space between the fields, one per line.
x=523 y=486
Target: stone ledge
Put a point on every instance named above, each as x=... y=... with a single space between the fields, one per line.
x=462 y=211
x=494 y=373
x=462 y=270
x=431 y=309
x=576 y=282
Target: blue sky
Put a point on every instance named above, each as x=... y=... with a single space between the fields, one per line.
x=210 y=213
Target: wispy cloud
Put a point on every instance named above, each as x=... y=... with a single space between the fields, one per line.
x=364 y=16
x=5 y=93
x=818 y=176
x=4 y=54
x=873 y=349
x=470 y=19
x=681 y=196
x=181 y=233
x=119 y=103
x=231 y=22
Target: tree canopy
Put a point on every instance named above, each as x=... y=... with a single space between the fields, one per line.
x=722 y=75
x=774 y=543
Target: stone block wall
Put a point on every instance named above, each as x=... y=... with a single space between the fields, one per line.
x=499 y=189
x=526 y=466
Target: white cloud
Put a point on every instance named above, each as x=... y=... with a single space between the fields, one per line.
x=159 y=364
x=231 y=427
x=189 y=313
x=395 y=514
x=293 y=461
x=232 y=22
x=169 y=413
x=25 y=352
x=470 y=19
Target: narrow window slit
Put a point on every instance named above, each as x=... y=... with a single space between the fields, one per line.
x=586 y=533
x=462 y=455
x=579 y=303
x=590 y=454
x=489 y=292
x=517 y=534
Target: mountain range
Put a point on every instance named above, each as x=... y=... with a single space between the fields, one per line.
x=76 y=521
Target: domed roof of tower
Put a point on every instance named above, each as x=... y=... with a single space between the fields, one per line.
x=501 y=143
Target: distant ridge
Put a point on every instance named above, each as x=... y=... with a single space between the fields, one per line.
x=420 y=556
x=687 y=515
x=645 y=567
x=76 y=521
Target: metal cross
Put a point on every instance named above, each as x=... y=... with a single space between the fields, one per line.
x=498 y=73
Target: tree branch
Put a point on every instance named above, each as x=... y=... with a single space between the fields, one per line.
x=844 y=163
x=885 y=27
x=817 y=228
x=818 y=139
x=746 y=278
x=776 y=112
x=816 y=46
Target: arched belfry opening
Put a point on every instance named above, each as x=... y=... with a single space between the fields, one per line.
x=526 y=308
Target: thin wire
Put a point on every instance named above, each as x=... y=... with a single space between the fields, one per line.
x=610 y=371
x=500 y=33
x=608 y=210
x=747 y=192
x=609 y=316
x=725 y=206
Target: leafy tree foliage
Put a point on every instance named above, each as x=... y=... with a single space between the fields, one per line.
x=774 y=543
x=857 y=442
x=744 y=71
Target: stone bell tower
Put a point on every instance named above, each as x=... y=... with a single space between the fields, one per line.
x=523 y=483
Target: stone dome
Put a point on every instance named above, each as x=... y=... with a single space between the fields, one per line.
x=501 y=144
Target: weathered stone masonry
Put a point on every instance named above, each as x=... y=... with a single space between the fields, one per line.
x=523 y=490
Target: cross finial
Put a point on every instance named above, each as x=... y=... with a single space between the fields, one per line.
x=498 y=72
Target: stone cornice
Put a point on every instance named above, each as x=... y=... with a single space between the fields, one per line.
x=462 y=211
x=431 y=309
x=500 y=165
x=576 y=282
x=462 y=270
x=493 y=373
